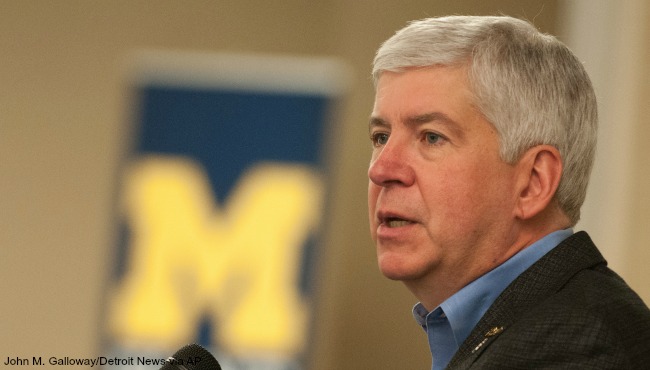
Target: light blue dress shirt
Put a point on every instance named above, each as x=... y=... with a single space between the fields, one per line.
x=449 y=324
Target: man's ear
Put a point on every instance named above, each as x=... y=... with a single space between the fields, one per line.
x=539 y=172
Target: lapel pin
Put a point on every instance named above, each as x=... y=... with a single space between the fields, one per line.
x=492 y=332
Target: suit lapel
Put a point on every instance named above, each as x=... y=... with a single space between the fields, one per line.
x=541 y=280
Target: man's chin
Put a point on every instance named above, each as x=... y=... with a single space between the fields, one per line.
x=394 y=270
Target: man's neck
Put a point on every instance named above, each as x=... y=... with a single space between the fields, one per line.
x=437 y=287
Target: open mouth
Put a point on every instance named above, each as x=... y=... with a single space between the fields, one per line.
x=396 y=222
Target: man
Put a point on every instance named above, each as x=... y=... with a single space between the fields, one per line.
x=484 y=133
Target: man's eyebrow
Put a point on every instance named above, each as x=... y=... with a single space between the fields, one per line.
x=376 y=121
x=419 y=119
x=431 y=117
x=438 y=117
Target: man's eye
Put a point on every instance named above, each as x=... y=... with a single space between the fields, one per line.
x=432 y=137
x=379 y=138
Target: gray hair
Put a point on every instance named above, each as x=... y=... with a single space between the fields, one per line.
x=529 y=85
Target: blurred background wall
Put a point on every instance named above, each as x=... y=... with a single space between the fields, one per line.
x=65 y=127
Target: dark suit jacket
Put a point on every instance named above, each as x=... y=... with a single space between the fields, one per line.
x=567 y=311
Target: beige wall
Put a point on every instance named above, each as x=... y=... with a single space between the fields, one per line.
x=611 y=38
x=637 y=267
x=64 y=128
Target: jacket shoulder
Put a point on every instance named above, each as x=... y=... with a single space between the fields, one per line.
x=567 y=311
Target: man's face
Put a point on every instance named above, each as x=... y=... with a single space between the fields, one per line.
x=441 y=201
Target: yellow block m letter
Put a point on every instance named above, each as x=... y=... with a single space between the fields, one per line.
x=240 y=264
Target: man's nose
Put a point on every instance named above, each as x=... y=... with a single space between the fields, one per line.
x=392 y=165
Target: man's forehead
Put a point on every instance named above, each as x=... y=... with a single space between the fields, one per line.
x=423 y=80
x=422 y=94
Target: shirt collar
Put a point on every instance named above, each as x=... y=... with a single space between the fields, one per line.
x=465 y=308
